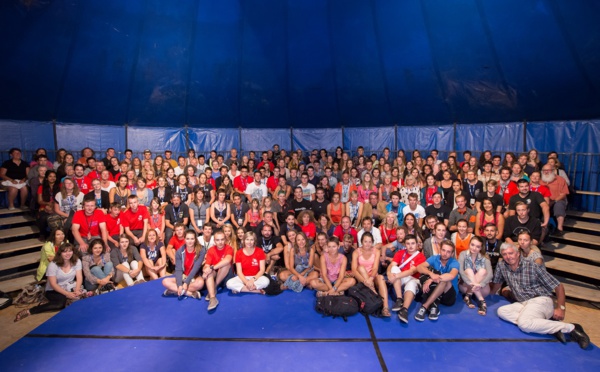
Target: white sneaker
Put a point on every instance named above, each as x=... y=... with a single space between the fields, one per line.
x=167 y=293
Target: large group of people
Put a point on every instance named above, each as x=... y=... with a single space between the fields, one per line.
x=425 y=230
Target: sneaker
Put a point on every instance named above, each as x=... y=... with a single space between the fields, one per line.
x=420 y=315
x=397 y=305
x=403 y=315
x=207 y=298
x=110 y=287
x=139 y=282
x=212 y=304
x=196 y=295
x=434 y=313
x=167 y=293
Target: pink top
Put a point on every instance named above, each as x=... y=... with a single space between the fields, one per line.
x=366 y=263
x=333 y=268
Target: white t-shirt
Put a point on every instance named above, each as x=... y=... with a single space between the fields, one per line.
x=64 y=280
x=256 y=191
x=308 y=191
x=376 y=236
x=419 y=212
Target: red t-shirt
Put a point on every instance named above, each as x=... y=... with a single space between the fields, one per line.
x=510 y=190
x=89 y=224
x=177 y=243
x=339 y=233
x=403 y=255
x=262 y=165
x=241 y=184
x=151 y=184
x=135 y=221
x=309 y=230
x=113 y=224
x=215 y=255
x=544 y=190
x=188 y=261
x=250 y=264
x=272 y=183
x=93 y=175
x=83 y=185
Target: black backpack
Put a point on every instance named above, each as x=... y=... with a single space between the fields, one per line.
x=342 y=306
x=370 y=303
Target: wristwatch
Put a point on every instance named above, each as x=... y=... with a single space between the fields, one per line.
x=212 y=267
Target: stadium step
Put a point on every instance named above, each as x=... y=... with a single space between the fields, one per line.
x=19 y=232
x=19 y=245
x=16 y=284
x=572 y=252
x=580 y=290
x=575 y=270
x=5 y=212
x=592 y=241
x=586 y=215
x=582 y=226
x=16 y=220
x=19 y=260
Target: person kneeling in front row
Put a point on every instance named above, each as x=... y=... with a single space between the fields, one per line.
x=532 y=287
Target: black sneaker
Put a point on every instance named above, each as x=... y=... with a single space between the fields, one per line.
x=434 y=312
x=403 y=315
x=397 y=305
x=420 y=315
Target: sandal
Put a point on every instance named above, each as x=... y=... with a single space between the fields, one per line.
x=482 y=308
x=386 y=312
x=22 y=315
x=468 y=302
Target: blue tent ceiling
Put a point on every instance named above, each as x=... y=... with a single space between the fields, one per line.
x=299 y=63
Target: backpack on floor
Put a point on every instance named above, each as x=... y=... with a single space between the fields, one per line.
x=369 y=302
x=342 y=306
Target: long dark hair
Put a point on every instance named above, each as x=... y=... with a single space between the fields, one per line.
x=59 y=260
x=47 y=191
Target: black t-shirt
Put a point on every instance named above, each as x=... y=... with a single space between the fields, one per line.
x=512 y=228
x=174 y=214
x=496 y=199
x=239 y=213
x=14 y=171
x=472 y=191
x=533 y=199
x=299 y=206
x=319 y=208
x=206 y=188
x=493 y=252
x=268 y=244
x=442 y=213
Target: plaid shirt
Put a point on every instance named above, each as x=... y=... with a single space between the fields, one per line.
x=528 y=281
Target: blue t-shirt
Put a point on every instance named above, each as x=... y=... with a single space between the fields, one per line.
x=436 y=263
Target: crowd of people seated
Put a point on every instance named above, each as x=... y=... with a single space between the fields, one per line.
x=425 y=230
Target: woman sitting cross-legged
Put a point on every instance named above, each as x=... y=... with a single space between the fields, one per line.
x=250 y=267
x=98 y=270
x=127 y=262
x=299 y=264
x=64 y=282
x=188 y=262
x=475 y=274
x=333 y=280
x=154 y=256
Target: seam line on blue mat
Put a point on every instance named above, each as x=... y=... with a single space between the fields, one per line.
x=376 y=345
x=241 y=339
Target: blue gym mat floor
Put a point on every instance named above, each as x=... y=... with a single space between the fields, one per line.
x=137 y=329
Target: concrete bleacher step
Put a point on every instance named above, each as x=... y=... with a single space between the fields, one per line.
x=580 y=290
x=18 y=232
x=16 y=220
x=573 y=268
x=19 y=260
x=16 y=284
x=575 y=237
x=582 y=226
x=14 y=211
x=571 y=251
x=19 y=245
x=587 y=215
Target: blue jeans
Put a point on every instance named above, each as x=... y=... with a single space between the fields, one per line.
x=100 y=273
